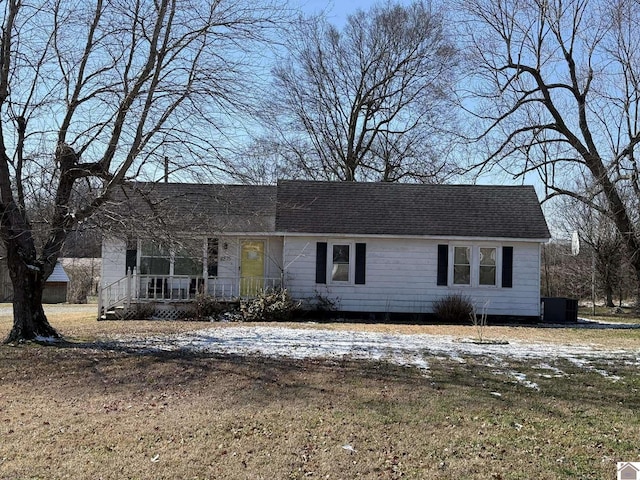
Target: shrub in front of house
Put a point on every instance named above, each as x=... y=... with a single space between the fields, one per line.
x=269 y=305
x=205 y=307
x=144 y=311
x=454 y=308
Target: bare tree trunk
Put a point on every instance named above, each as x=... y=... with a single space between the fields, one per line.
x=29 y=319
x=609 y=295
x=155 y=67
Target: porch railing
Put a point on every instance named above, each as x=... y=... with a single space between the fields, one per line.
x=179 y=288
x=183 y=287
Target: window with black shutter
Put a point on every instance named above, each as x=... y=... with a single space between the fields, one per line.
x=321 y=262
x=507 y=267
x=361 y=263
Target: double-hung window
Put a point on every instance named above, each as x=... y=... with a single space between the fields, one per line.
x=341 y=263
x=462 y=265
x=474 y=266
x=186 y=262
x=487 y=266
x=340 y=270
x=154 y=259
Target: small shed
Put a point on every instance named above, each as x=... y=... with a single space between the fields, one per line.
x=55 y=288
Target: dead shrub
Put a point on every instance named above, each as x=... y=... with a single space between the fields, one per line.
x=204 y=307
x=269 y=305
x=454 y=308
x=144 y=311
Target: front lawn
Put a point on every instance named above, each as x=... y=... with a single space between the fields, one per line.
x=88 y=410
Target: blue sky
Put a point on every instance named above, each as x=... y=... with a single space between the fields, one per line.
x=337 y=11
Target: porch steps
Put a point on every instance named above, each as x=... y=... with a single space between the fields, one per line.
x=116 y=313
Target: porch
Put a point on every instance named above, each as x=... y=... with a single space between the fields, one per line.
x=134 y=289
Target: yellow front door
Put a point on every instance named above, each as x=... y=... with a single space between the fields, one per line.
x=251 y=267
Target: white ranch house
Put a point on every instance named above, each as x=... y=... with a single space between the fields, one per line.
x=372 y=248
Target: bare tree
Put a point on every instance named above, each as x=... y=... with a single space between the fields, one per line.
x=366 y=102
x=555 y=86
x=94 y=93
x=604 y=244
x=564 y=275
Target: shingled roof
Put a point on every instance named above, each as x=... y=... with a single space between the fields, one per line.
x=298 y=206
x=410 y=209
x=192 y=207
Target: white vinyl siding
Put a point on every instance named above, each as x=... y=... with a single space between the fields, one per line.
x=114 y=260
x=401 y=273
x=401 y=277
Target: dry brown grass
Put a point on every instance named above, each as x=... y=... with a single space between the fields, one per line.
x=82 y=325
x=76 y=411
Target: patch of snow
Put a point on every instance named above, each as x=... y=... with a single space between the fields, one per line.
x=401 y=349
x=557 y=373
x=546 y=366
x=605 y=374
x=42 y=339
x=521 y=378
x=588 y=323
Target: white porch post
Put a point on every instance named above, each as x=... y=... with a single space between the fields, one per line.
x=128 y=289
x=100 y=302
x=136 y=283
x=205 y=266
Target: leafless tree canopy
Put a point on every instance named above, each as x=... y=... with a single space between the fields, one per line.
x=365 y=102
x=95 y=92
x=555 y=86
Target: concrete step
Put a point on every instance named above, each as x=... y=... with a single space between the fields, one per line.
x=112 y=315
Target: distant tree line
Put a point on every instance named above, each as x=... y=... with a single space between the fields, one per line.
x=566 y=275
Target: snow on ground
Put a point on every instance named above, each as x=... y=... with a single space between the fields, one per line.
x=399 y=349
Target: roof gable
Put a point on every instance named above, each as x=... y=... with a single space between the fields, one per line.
x=410 y=209
x=58 y=274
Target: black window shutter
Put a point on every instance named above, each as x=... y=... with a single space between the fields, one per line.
x=443 y=264
x=361 y=263
x=321 y=262
x=507 y=267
